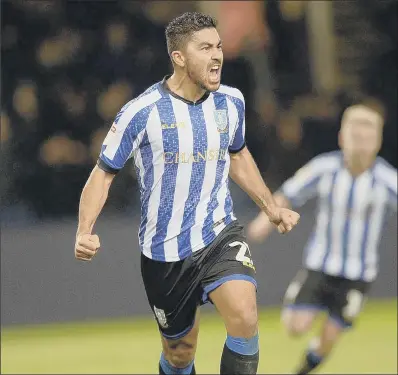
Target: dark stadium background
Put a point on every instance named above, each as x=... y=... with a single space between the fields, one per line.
x=66 y=69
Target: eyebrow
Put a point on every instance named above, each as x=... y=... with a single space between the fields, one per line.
x=362 y=121
x=209 y=44
x=366 y=123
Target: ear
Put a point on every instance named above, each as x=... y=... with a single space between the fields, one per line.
x=178 y=58
x=380 y=141
x=340 y=139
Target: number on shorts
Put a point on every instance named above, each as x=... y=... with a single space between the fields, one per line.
x=243 y=250
x=354 y=304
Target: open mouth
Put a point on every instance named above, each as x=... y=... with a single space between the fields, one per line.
x=215 y=73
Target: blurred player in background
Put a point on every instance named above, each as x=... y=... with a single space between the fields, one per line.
x=186 y=134
x=355 y=191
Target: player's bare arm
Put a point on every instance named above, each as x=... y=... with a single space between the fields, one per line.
x=260 y=228
x=245 y=173
x=92 y=200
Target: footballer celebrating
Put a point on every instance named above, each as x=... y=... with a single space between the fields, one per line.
x=356 y=191
x=186 y=135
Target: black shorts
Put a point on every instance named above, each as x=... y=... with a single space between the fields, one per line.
x=176 y=289
x=342 y=298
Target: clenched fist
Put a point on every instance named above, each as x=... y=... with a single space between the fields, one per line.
x=285 y=220
x=86 y=246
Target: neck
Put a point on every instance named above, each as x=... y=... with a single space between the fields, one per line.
x=183 y=86
x=356 y=167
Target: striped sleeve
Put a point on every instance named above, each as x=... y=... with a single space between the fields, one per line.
x=303 y=185
x=237 y=142
x=387 y=174
x=126 y=132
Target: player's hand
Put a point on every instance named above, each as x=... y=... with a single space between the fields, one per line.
x=86 y=246
x=285 y=220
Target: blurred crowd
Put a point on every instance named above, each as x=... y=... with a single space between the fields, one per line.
x=67 y=68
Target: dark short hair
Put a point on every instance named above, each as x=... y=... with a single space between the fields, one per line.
x=182 y=27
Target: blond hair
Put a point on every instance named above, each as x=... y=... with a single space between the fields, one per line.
x=371 y=105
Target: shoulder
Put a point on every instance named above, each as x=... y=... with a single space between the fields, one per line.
x=332 y=158
x=133 y=115
x=386 y=173
x=139 y=106
x=144 y=100
x=319 y=165
x=383 y=165
x=326 y=162
x=231 y=92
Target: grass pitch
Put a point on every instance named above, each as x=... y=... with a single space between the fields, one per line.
x=132 y=346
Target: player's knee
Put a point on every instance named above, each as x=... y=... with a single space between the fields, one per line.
x=180 y=360
x=244 y=321
x=296 y=325
x=180 y=354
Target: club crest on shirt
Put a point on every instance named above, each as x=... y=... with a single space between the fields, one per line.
x=221 y=119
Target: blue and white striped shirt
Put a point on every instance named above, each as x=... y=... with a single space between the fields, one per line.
x=181 y=153
x=351 y=214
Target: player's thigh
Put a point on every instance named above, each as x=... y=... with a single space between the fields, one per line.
x=173 y=294
x=230 y=283
x=346 y=302
x=302 y=301
x=235 y=300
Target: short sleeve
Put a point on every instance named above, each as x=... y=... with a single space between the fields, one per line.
x=238 y=140
x=126 y=133
x=387 y=174
x=392 y=191
x=303 y=186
